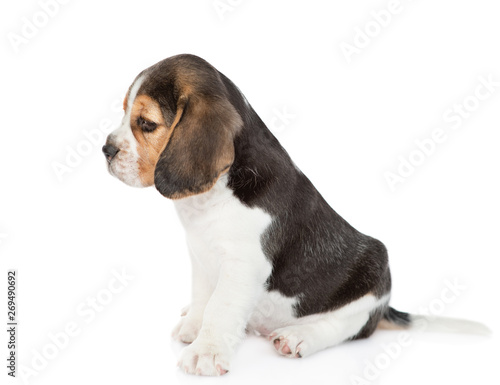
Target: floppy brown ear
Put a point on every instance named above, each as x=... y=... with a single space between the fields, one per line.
x=200 y=148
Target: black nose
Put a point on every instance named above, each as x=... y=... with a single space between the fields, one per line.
x=109 y=151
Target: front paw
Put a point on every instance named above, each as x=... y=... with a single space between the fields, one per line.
x=205 y=358
x=187 y=329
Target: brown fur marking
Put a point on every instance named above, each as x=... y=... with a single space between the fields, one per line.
x=149 y=144
x=383 y=324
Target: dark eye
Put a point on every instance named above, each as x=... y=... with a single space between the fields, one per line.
x=146 y=125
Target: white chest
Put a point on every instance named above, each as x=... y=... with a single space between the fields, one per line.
x=219 y=227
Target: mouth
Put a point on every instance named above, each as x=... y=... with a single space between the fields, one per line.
x=110 y=168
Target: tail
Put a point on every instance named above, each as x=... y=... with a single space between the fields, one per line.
x=397 y=320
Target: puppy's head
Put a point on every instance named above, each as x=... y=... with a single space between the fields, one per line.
x=178 y=130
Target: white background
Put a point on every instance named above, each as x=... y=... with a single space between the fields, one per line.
x=351 y=121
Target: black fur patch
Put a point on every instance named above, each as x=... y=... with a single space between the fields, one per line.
x=315 y=253
x=397 y=317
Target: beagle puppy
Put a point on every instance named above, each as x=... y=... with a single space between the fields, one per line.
x=269 y=255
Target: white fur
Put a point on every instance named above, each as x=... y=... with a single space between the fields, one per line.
x=124 y=165
x=448 y=325
x=229 y=271
x=229 y=295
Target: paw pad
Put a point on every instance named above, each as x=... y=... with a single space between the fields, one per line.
x=288 y=347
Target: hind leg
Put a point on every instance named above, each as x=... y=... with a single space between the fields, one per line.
x=317 y=332
x=301 y=340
